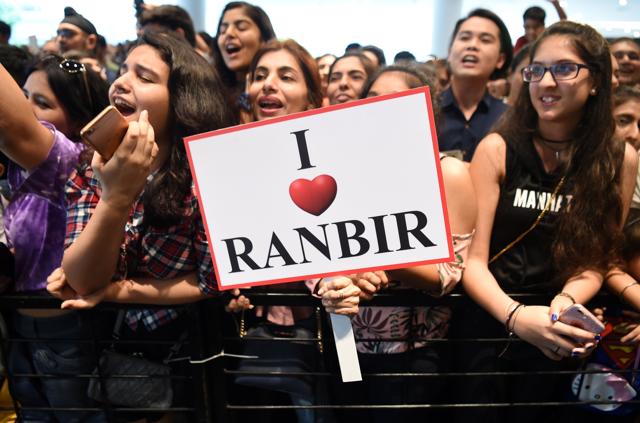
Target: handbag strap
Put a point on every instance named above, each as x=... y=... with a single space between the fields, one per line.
x=117 y=327
x=115 y=334
x=542 y=214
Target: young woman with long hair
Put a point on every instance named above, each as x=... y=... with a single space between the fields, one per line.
x=553 y=191
x=134 y=229
x=242 y=29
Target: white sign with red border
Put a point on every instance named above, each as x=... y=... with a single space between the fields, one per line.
x=337 y=190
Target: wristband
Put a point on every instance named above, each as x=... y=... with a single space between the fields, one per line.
x=569 y=296
x=510 y=316
x=625 y=288
x=516 y=313
x=509 y=310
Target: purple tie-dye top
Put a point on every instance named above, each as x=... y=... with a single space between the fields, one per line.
x=35 y=219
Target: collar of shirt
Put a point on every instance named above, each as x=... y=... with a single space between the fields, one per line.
x=448 y=100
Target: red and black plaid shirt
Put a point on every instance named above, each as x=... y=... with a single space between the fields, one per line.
x=159 y=253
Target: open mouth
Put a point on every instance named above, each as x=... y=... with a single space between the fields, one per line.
x=124 y=107
x=469 y=59
x=232 y=49
x=270 y=103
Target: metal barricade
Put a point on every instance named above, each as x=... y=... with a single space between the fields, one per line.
x=101 y=320
x=213 y=336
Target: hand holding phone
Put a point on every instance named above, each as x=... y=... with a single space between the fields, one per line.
x=577 y=315
x=105 y=132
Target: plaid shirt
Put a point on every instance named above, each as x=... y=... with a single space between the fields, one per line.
x=159 y=253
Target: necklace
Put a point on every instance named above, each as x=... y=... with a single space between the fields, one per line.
x=554 y=145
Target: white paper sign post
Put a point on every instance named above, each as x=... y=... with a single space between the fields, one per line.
x=332 y=191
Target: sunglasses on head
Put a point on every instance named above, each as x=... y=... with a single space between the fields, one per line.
x=66 y=33
x=73 y=67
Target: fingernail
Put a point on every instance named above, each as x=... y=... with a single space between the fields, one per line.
x=554 y=317
x=597 y=337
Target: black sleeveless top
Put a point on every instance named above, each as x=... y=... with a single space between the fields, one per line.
x=528 y=265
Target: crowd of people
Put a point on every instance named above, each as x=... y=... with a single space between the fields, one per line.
x=539 y=150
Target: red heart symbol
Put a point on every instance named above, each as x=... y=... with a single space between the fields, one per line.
x=314 y=196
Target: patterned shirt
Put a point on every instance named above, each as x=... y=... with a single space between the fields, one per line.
x=159 y=253
x=378 y=327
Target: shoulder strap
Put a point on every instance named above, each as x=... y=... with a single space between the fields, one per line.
x=535 y=223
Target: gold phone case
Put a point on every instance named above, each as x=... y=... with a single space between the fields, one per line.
x=105 y=132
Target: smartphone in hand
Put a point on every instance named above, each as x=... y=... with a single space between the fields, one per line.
x=577 y=315
x=105 y=132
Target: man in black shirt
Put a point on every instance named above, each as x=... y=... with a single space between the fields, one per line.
x=480 y=49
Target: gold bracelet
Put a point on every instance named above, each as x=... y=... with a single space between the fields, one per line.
x=625 y=288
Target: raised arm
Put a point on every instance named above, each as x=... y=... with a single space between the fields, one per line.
x=90 y=262
x=561 y=13
x=22 y=138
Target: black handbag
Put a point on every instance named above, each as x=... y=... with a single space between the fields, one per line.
x=298 y=354
x=131 y=380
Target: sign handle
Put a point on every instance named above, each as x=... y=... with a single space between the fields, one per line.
x=346 y=348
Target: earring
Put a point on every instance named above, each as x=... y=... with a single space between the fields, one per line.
x=593 y=91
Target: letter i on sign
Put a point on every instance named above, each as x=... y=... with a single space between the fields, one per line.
x=313 y=196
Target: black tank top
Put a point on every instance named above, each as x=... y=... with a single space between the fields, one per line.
x=528 y=265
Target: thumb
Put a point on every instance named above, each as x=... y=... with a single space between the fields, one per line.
x=555 y=309
x=77 y=304
x=80 y=303
x=97 y=162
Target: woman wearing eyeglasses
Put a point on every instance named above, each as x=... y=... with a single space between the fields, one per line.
x=40 y=135
x=553 y=190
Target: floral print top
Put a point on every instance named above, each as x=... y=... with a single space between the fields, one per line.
x=376 y=328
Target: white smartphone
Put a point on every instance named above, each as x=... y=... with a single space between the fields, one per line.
x=577 y=315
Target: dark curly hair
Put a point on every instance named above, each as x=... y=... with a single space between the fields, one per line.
x=197 y=105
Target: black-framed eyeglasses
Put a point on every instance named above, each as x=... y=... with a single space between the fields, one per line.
x=632 y=55
x=559 y=71
x=73 y=67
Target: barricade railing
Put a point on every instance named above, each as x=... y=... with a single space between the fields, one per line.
x=101 y=321
x=213 y=334
x=234 y=408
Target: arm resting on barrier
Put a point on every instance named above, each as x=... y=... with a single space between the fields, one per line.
x=179 y=290
x=532 y=324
